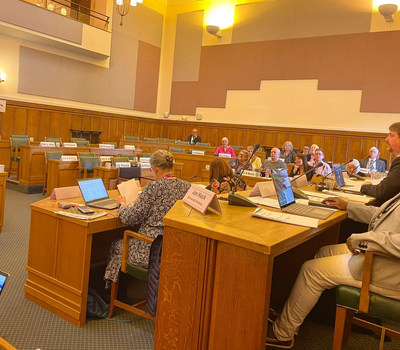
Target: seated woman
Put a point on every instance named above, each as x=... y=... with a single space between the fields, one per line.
x=225 y=148
x=238 y=164
x=288 y=153
x=301 y=166
x=222 y=179
x=353 y=168
x=255 y=161
x=149 y=210
x=312 y=160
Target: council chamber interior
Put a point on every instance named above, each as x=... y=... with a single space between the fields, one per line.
x=110 y=74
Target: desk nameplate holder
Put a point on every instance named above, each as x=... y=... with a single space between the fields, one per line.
x=47 y=144
x=70 y=144
x=69 y=158
x=106 y=146
x=201 y=199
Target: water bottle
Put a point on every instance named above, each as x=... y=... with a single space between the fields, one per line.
x=372 y=174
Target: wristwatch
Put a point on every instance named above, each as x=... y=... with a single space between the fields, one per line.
x=120 y=205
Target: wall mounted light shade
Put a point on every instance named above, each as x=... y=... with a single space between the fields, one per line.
x=213 y=30
x=387 y=11
x=3 y=77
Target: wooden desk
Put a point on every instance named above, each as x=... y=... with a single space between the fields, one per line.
x=32 y=168
x=61 y=252
x=113 y=152
x=217 y=271
x=61 y=174
x=3 y=177
x=109 y=176
x=5 y=154
x=146 y=147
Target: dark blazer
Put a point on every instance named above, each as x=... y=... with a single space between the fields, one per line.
x=197 y=139
x=388 y=187
x=380 y=164
x=306 y=168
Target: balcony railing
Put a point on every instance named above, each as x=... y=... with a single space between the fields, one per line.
x=75 y=11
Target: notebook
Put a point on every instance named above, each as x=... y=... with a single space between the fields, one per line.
x=95 y=194
x=287 y=202
x=3 y=278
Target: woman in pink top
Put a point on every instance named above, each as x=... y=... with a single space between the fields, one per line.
x=225 y=148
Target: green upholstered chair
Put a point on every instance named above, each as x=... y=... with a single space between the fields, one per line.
x=203 y=144
x=237 y=147
x=170 y=140
x=111 y=143
x=85 y=154
x=81 y=143
x=54 y=139
x=133 y=271
x=129 y=156
x=49 y=155
x=162 y=139
x=151 y=139
x=177 y=150
x=119 y=159
x=146 y=155
x=182 y=142
x=74 y=139
x=351 y=300
x=16 y=141
x=87 y=164
x=131 y=138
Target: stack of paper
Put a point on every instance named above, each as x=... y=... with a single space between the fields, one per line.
x=285 y=218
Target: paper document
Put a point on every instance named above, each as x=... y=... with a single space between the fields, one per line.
x=129 y=190
x=356 y=184
x=285 y=218
x=352 y=197
x=81 y=216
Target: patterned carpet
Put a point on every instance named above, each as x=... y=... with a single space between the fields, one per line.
x=28 y=326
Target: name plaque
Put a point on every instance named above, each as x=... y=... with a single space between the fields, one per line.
x=69 y=158
x=201 y=199
x=70 y=144
x=47 y=144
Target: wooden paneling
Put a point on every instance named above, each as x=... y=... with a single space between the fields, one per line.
x=43 y=120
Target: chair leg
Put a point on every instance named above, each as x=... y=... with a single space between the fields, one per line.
x=113 y=297
x=342 y=326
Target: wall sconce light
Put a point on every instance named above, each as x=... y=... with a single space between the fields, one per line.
x=3 y=77
x=213 y=30
x=387 y=11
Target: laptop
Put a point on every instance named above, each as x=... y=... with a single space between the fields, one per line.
x=340 y=184
x=287 y=202
x=95 y=194
x=3 y=278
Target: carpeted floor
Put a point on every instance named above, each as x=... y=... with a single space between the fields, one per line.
x=28 y=326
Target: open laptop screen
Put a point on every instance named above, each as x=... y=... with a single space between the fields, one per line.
x=92 y=189
x=3 y=277
x=337 y=169
x=283 y=188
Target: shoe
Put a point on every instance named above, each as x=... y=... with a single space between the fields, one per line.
x=273 y=342
x=273 y=315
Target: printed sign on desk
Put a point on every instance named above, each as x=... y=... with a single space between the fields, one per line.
x=70 y=144
x=129 y=147
x=200 y=199
x=145 y=165
x=104 y=145
x=197 y=152
x=224 y=155
x=47 y=144
x=252 y=173
x=122 y=165
x=105 y=158
x=69 y=158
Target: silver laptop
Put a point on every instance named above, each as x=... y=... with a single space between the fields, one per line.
x=287 y=202
x=340 y=184
x=95 y=194
x=3 y=278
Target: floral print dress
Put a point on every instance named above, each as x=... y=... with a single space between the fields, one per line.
x=226 y=184
x=156 y=200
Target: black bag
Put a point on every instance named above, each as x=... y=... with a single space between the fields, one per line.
x=96 y=306
x=154 y=275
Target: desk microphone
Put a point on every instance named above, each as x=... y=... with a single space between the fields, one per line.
x=299 y=193
x=236 y=199
x=321 y=186
x=189 y=178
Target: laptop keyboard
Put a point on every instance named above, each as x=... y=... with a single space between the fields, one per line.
x=298 y=209
x=106 y=202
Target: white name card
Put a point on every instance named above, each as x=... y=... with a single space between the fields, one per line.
x=47 y=144
x=145 y=159
x=70 y=144
x=252 y=173
x=201 y=199
x=122 y=165
x=363 y=170
x=69 y=158
x=104 y=145
x=105 y=158
x=129 y=147
x=200 y=153
x=145 y=165
x=224 y=155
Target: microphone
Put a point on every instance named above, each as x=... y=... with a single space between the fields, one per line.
x=299 y=193
x=236 y=199
x=309 y=170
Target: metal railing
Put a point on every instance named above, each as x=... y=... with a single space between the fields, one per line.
x=75 y=11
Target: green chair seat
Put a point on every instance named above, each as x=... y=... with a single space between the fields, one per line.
x=131 y=138
x=146 y=155
x=119 y=159
x=74 y=139
x=177 y=150
x=204 y=144
x=170 y=140
x=379 y=306
x=137 y=272
x=81 y=143
x=129 y=156
x=150 y=139
x=53 y=139
x=89 y=163
x=19 y=136
x=85 y=154
x=182 y=142
x=237 y=147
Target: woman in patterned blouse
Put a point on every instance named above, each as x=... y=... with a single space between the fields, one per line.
x=222 y=179
x=149 y=210
x=239 y=163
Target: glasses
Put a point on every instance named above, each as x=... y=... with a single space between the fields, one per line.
x=241 y=155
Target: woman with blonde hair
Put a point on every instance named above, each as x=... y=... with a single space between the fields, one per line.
x=222 y=179
x=288 y=153
x=225 y=148
x=312 y=160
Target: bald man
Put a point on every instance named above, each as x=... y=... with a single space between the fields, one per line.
x=194 y=138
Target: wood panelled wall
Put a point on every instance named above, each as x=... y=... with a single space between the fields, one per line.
x=39 y=121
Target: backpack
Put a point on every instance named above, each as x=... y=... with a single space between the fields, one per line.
x=96 y=307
